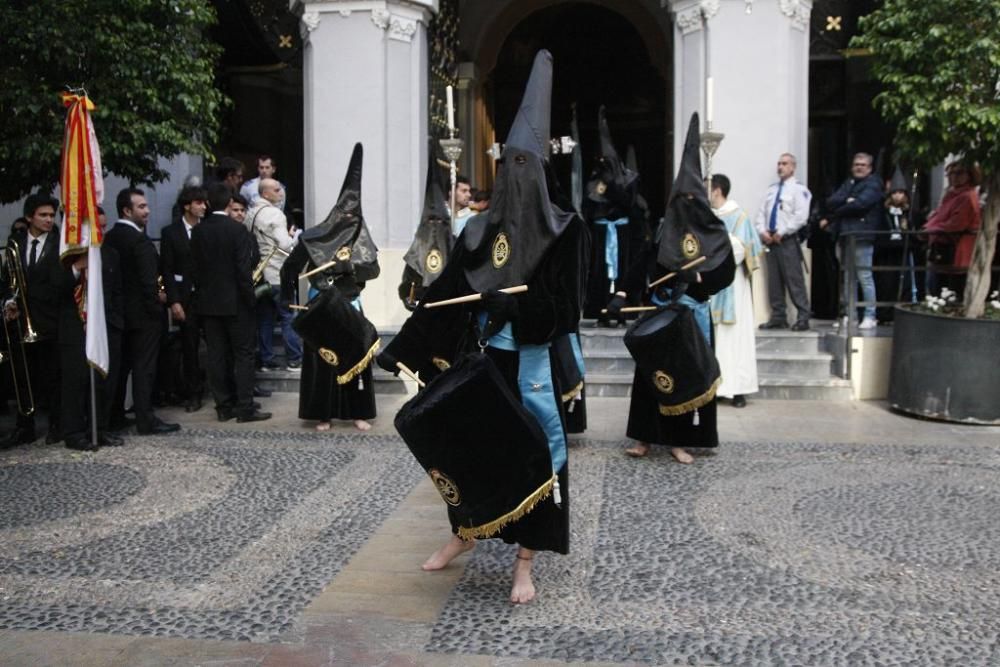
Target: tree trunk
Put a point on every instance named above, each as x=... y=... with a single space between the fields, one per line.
x=977 y=284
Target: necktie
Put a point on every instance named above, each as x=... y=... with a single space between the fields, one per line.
x=34 y=253
x=772 y=224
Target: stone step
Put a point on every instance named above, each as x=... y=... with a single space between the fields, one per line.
x=814 y=365
x=771 y=387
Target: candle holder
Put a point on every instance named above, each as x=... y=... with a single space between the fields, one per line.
x=452 y=148
x=710 y=141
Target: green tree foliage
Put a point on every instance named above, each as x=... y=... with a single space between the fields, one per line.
x=146 y=64
x=939 y=65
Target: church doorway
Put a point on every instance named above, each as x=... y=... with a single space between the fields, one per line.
x=600 y=58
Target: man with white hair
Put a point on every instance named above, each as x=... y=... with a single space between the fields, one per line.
x=269 y=226
x=783 y=212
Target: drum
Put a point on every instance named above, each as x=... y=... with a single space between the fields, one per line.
x=674 y=359
x=343 y=336
x=486 y=454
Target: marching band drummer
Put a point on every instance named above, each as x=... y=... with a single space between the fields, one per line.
x=525 y=237
x=342 y=242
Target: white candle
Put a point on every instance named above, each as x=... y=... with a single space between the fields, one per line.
x=451 y=109
x=709 y=99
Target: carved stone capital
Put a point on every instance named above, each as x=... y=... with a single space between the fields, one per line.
x=310 y=21
x=797 y=11
x=689 y=18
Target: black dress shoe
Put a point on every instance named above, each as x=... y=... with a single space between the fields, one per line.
x=81 y=444
x=260 y=392
x=225 y=413
x=774 y=324
x=192 y=405
x=800 y=326
x=105 y=439
x=739 y=401
x=158 y=427
x=19 y=436
x=255 y=416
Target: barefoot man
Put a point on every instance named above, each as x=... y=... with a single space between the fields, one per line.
x=524 y=238
x=664 y=409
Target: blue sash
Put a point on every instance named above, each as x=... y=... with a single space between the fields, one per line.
x=611 y=244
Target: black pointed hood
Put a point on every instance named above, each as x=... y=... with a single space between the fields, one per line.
x=431 y=247
x=898 y=181
x=690 y=229
x=343 y=234
x=612 y=186
x=505 y=243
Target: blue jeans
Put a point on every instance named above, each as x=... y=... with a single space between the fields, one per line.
x=268 y=310
x=863 y=251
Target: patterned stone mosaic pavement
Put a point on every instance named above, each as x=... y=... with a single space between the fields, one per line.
x=761 y=553
x=218 y=535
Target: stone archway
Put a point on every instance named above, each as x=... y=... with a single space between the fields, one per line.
x=616 y=53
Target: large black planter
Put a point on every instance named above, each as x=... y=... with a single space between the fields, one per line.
x=945 y=367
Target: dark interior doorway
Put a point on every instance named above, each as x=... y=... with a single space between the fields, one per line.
x=599 y=58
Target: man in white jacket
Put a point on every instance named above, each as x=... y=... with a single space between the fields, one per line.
x=274 y=238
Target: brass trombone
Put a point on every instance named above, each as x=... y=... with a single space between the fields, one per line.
x=19 y=295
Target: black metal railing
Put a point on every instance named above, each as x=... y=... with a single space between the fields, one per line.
x=917 y=275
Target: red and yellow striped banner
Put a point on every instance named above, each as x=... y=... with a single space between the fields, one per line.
x=79 y=193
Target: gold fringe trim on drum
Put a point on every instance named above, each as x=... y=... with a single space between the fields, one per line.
x=495 y=526
x=693 y=404
x=573 y=393
x=361 y=365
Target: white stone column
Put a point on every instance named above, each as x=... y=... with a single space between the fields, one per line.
x=760 y=66
x=365 y=79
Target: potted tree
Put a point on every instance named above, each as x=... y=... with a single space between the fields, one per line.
x=939 y=66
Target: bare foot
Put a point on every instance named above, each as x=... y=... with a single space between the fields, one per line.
x=440 y=558
x=523 y=589
x=681 y=455
x=638 y=450
x=362 y=425
x=323 y=426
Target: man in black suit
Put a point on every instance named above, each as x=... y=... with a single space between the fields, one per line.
x=72 y=351
x=143 y=310
x=224 y=298
x=175 y=267
x=38 y=248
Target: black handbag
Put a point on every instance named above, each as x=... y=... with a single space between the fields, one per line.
x=941 y=254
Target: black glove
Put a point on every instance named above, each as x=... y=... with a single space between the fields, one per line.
x=342 y=266
x=689 y=276
x=387 y=362
x=500 y=309
x=615 y=306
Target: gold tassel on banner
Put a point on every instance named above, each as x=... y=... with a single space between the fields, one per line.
x=495 y=526
x=693 y=404
x=361 y=365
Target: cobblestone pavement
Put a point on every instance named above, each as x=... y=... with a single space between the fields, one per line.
x=828 y=535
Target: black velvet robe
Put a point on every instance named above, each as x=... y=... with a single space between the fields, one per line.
x=320 y=397
x=645 y=422
x=550 y=308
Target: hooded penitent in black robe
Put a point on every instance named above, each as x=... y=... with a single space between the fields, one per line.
x=344 y=237
x=431 y=247
x=689 y=230
x=523 y=238
x=610 y=202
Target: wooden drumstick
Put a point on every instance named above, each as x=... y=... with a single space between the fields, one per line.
x=319 y=269
x=690 y=265
x=413 y=376
x=295 y=306
x=642 y=309
x=474 y=297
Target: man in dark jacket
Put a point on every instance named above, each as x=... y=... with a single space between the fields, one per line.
x=856 y=206
x=38 y=250
x=143 y=311
x=222 y=270
x=175 y=267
